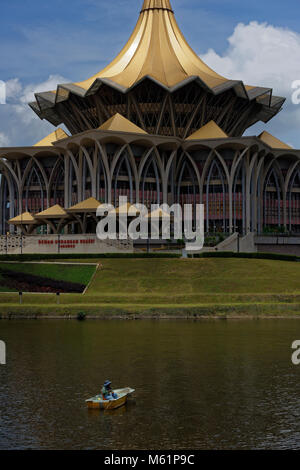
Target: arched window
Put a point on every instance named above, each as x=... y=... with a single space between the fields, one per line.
x=34 y=191
x=86 y=179
x=57 y=189
x=101 y=180
x=187 y=191
x=8 y=201
x=151 y=183
x=73 y=185
x=238 y=199
x=293 y=202
x=216 y=199
x=273 y=210
x=122 y=180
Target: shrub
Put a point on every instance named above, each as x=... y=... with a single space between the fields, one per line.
x=59 y=256
x=230 y=254
x=81 y=316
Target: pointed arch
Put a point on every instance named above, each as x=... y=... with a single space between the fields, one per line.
x=9 y=199
x=273 y=197
x=122 y=177
x=187 y=182
x=74 y=195
x=101 y=179
x=56 y=189
x=239 y=197
x=151 y=191
x=88 y=174
x=102 y=156
x=293 y=200
x=216 y=197
x=34 y=188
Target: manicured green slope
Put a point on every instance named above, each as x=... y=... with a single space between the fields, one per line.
x=172 y=278
x=190 y=287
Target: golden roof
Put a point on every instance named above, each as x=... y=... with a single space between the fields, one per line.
x=25 y=218
x=119 y=123
x=156 y=48
x=54 y=212
x=47 y=141
x=159 y=214
x=211 y=130
x=273 y=142
x=89 y=205
x=127 y=208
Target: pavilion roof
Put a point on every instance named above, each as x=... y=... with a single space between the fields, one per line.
x=120 y=124
x=47 y=141
x=54 y=212
x=23 y=219
x=210 y=131
x=88 y=205
x=273 y=142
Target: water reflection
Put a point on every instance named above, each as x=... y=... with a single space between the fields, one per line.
x=201 y=385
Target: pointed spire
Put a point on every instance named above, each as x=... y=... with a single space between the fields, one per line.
x=156 y=48
x=157 y=5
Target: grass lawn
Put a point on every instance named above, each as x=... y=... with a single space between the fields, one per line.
x=199 y=286
x=186 y=277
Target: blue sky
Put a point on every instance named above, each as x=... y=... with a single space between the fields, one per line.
x=69 y=41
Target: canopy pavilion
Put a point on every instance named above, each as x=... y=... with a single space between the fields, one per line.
x=55 y=218
x=85 y=214
x=26 y=222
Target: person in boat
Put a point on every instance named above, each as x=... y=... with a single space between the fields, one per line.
x=107 y=392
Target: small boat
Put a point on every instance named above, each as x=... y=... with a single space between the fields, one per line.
x=112 y=404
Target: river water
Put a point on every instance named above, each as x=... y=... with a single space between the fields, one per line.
x=199 y=385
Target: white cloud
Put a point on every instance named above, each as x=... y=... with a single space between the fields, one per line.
x=13 y=88
x=21 y=96
x=260 y=54
x=4 y=140
x=268 y=56
x=48 y=85
x=19 y=125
